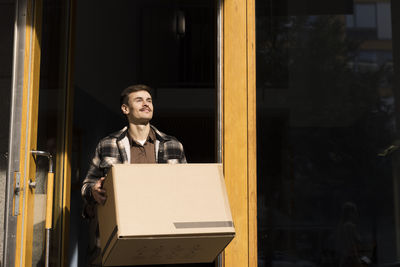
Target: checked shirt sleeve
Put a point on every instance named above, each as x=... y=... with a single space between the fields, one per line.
x=173 y=151
x=182 y=158
x=93 y=175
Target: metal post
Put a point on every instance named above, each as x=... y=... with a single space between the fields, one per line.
x=10 y=219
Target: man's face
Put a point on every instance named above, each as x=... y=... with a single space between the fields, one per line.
x=139 y=108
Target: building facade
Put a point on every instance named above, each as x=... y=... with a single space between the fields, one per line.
x=297 y=100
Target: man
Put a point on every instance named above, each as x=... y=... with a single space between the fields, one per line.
x=139 y=142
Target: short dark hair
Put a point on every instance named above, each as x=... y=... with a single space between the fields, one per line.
x=131 y=89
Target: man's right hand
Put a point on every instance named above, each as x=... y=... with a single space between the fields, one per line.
x=98 y=193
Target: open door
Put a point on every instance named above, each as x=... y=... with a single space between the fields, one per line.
x=38 y=122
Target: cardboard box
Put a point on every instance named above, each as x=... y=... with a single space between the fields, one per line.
x=164 y=214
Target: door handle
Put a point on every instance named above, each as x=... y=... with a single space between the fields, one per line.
x=49 y=200
x=44 y=154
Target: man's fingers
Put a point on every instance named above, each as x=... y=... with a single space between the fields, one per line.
x=100 y=182
x=102 y=199
x=99 y=194
x=100 y=191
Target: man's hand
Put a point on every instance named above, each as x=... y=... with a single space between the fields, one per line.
x=98 y=193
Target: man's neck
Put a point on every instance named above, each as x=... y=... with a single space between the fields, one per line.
x=139 y=131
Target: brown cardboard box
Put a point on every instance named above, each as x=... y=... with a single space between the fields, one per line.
x=164 y=214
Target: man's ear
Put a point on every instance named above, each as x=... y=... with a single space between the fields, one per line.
x=125 y=109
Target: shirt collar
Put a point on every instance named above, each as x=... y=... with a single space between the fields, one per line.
x=150 y=138
x=121 y=134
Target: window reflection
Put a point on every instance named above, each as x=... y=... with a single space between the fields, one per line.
x=365 y=15
x=327 y=135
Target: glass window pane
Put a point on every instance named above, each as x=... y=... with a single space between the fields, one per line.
x=349 y=21
x=365 y=15
x=384 y=18
x=367 y=56
x=328 y=158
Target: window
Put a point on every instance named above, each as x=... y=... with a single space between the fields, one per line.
x=327 y=146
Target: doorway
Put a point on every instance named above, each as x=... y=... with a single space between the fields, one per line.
x=168 y=45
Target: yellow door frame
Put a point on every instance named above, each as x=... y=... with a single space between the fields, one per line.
x=28 y=141
x=27 y=168
x=239 y=128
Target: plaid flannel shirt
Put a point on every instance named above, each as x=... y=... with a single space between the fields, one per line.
x=115 y=149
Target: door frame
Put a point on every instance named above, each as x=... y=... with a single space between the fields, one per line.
x=23 y=126
x=239 y=128
x=18 y=234
x=10 y=219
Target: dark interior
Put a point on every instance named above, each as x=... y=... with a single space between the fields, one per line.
x=132 y=42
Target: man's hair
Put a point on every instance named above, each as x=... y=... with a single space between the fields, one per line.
x=131 y=89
